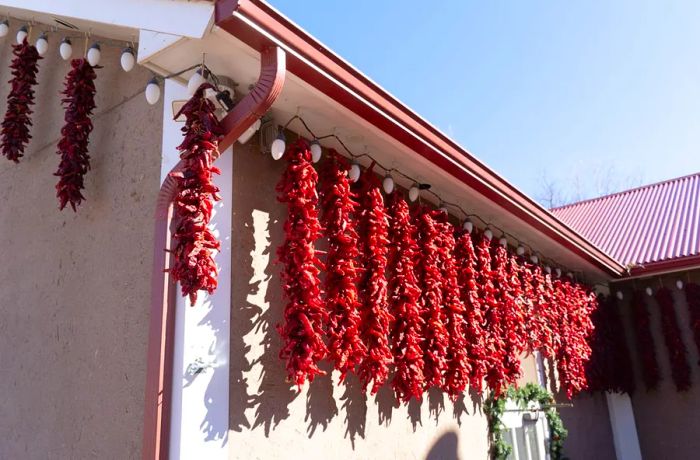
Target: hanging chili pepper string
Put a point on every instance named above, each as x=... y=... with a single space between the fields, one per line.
x=469 y=293
x=15 y=126
x=692 y=297
x=404 y=294
x=304 y=314
x=375 y=314
x=680 y=371
x=79 y=101
x=492 y=314
x=511 y=315
x=195 y=246
x=645 y=341
x=345 y=345
x=457 y=373
x=431 y=301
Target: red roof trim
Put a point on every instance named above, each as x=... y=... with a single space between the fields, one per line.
x=323 y=69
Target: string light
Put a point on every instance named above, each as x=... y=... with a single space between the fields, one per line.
x=152 y=91
x=558 y=272
x=355 y=172
x=547 y=269
x=388 y=184
x=278 y=146
x=468 y=226
x=619 y=295
x=248 y=133
x=4 y=28
x=679 y=285
x=488 y=234
x=42 y=44
x=503 y=241
x=94 y=54
x=65 y=49
x=413 y=192
x=649 y=291
x=316 y=150
x=127 y=59
x=22 y=34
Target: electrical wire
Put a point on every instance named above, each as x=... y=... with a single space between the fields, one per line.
x=441 y=201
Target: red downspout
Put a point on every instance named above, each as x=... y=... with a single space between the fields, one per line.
x=156 y=430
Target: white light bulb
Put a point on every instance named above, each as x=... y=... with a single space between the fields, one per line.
x=468 y=226
x=152 y=91
x=679 y=285
x=94 y=54
x=413 y=193
x=547 y=269
x=65 y=49
x=558 y=271
x=22 y=34
x=534 y=259
x=619 y=295
x=4 y=28
x=570 y=275
x=278 y=147
x=316 y=151
x=650 y=292
x=354 y=172
x=443 y=209
x=388 y=184
x=248 y=133
x=503 y=241
x=488 y=234
x=195 y=81
x=127 y=59
x=521 y=250
x=42 y=45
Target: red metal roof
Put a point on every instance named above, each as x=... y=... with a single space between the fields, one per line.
x=646 y=227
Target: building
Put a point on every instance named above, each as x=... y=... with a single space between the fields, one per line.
x=91 y=319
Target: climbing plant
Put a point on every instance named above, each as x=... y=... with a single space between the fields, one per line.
x=495 y=407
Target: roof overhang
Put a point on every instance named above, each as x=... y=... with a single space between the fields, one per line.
x=258 y=25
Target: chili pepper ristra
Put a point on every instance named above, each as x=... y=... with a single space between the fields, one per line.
x=15 y=126
x=304 y=314
x=345 y=345
x=194 y=265
x=79 y=102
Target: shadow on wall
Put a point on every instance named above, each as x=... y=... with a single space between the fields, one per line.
x=257 y=308
x=445 y=448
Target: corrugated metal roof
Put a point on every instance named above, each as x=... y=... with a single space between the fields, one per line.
x=653 y=223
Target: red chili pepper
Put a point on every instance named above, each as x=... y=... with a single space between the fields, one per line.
x=15 y=125
x=305 y=314
x=645 y=341
x=404 y=294
x=467 y=269
x=456 y=377
x=437 y=339
x=346 y=348
x=376 y=319
x=677 y=353
x=79 y=102
x=194 y=265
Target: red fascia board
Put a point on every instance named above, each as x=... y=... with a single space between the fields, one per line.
x=665 y=266
x=379 y=108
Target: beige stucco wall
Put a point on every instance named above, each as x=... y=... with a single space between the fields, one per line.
x=268 y=419
x=667 y=421
x=75 y=287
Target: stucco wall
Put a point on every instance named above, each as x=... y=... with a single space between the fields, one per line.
x=75 y=286
x=667 y=421
x=268 y=419
x=588 y=423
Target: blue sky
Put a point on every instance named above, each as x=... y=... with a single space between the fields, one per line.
x=593 y=96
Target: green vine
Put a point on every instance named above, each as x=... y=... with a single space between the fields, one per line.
x=494 y=408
